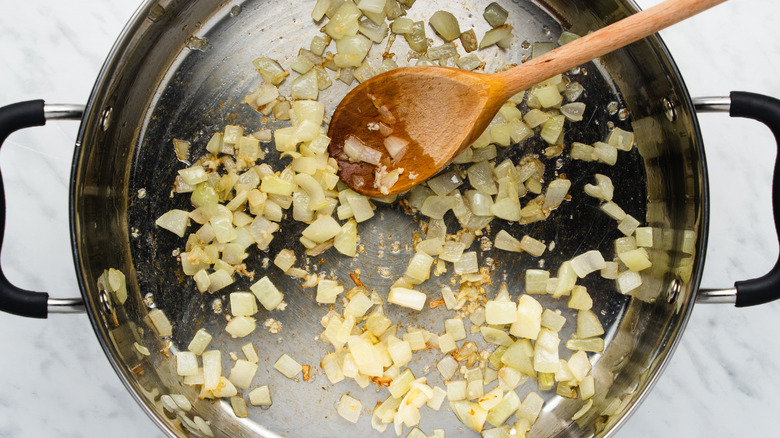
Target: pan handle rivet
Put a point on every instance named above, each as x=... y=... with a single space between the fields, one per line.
x=669 y=110
x=105 y=302
x=674 y=290
x=105 y=119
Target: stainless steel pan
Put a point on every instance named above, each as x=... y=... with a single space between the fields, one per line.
x=160 y=83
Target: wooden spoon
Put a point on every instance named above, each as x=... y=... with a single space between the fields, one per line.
x=440 y=111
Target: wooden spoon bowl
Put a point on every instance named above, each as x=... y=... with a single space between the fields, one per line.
x=433 y=108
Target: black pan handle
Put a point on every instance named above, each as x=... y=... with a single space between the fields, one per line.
x=766 y=110
x=13 y=299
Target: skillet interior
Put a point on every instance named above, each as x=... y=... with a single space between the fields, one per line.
x=160 y=84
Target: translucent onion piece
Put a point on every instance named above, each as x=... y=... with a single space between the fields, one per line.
x=416 y=37
x=270 y=70
x=628 y=225
x=567 y=37
x=446 y=25
x=470 y=43
x=260 y=396
x=603 y=189
x=396 y=147
x=327 y=291
x=508 y=405
x=268 y=295
x=212 y=369
x=375 y=6
x=546 y=358
x=344 y=21
x=160 y=322
x=407 y=298
x=243 y=304
x=288 y=366
x=495 y=14
x=402 y=25
x=174 y=221
x=529 y=318
x=588 y=325
x=495 y=35
x=588 y=262
x=349 y=408
x=242 y=373
x=306 y=86
x=622 y=140
x=455 y=328
x=241 y=326
x=500 y=312
x=628 y=281
x=199 y=342
x=532 y=246
x=467 y=264
x=471 y=61
x=435 y=206
x=573 y=111
x=356 y=150
x=322 y=229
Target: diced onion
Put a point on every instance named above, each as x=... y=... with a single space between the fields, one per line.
x=375 y=6
x=160 y=322
x=267 y=293
x=588 y=262
x=436 y=206
x=358 y=151
x=622 y=140
x=573 y=111
x=305 y=86
x=416 y=37
x=186 y=363
x=344 y=21
x=495 y=35
x=603 y=189
x=212 y=369
x=242 y=373
x=270 y=70
x=241 y=326
x=588 y=325
x=407 y=298
x=532 y=246
x=567 y=37
x=628 y=225
x=508 y=405
x=500 y=312
x=549 y=96
x=174 y=221
x=455 y=328
x=495 y=14
x=243 y=304
x=546 y=352
x=529 y=318
x=613 y=210
x=467 y=264
x=349 y=408
x=260 y=396
x=288 y=366
x=635 y=260
x=322 y=229
x=627 y=281
x=445 y=24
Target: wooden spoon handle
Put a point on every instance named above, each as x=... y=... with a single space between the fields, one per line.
x=601 y=42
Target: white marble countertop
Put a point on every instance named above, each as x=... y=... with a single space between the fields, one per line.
x=723 y=380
